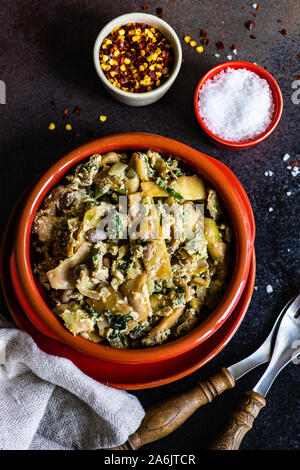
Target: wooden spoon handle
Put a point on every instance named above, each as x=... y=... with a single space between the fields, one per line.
x=240 y=422
x=163 y=418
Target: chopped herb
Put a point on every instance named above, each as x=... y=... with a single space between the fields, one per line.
x=125 y=264
x=117 y=321
x=169 y=190
x=120 y=190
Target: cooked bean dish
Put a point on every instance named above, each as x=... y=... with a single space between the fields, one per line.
x=134 y=249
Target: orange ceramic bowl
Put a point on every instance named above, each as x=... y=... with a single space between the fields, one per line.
x=234 y=198
x=277 y=100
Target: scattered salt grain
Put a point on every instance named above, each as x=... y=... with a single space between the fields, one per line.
x=286 y=157
x=254 y=5
x=289 y=167
x=271 y=209
x=295 y=171
x=269 y=173
x=236 y=105
x=288 y=193
x=269 y=289
x=217 y=55
x=229 y=57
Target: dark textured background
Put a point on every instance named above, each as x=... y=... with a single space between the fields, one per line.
x=46 y=54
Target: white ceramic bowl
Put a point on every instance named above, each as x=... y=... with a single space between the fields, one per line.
x=139 y=99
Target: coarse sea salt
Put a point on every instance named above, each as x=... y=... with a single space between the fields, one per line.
x=236 y=105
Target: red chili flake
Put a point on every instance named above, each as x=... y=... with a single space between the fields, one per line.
x=77 y=111
x=297 y=76
x=258 y=7
x=298 y=55
x=145 y=7
x=220 y=45
x=294 y=163
x=77 y=134
x=252 y=36
x=254 y=15
x=205 y=41
x=66 y=112
x=159 y=12
x=243 y=8
x=283 y=32
x=278 y=21
x=203 y=33
x=250 y=25
x=234 y=47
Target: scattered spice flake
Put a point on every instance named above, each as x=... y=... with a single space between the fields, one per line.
x=51 y=126
x=187 y=39
x=145 y=7
x=102 y=118
x=159 y=12
x=249 y=25
x=252 y=36
x=77 y=111
x=204 y=41
x=258 y=7
x=298 y=55
x=68 y=127
x=193 y=43
x=220 y=45
x=278 y=21
x=297 y=76
x=254 y=14
x=65 y=114
x=77 y=134
x=199 y=49
x=295 y=163
x=283 y=32
x=234 y=48
x=203 y=33
x=243 y=8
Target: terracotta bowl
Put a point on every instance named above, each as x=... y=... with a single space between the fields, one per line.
x=237 y=205
x=277 y=100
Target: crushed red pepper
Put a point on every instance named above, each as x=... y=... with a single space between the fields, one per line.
x=283 y=32
x=295 y=163
x=136 y=57
x=249 y=25
x=159 y=12
x=220 y=45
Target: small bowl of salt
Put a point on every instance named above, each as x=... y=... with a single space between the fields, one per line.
x=238 y=104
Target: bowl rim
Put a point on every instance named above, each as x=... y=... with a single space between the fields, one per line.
x=178 y=55
x=275 y=89
x=232 y=194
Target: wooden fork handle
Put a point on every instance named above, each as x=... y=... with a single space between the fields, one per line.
x=240 y=422
x=162 y=419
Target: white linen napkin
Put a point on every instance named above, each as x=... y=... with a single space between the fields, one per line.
x=46 y=402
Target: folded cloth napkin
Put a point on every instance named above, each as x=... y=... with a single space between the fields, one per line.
x=46 y=402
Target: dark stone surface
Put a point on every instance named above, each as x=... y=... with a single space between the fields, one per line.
x=46 y=54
